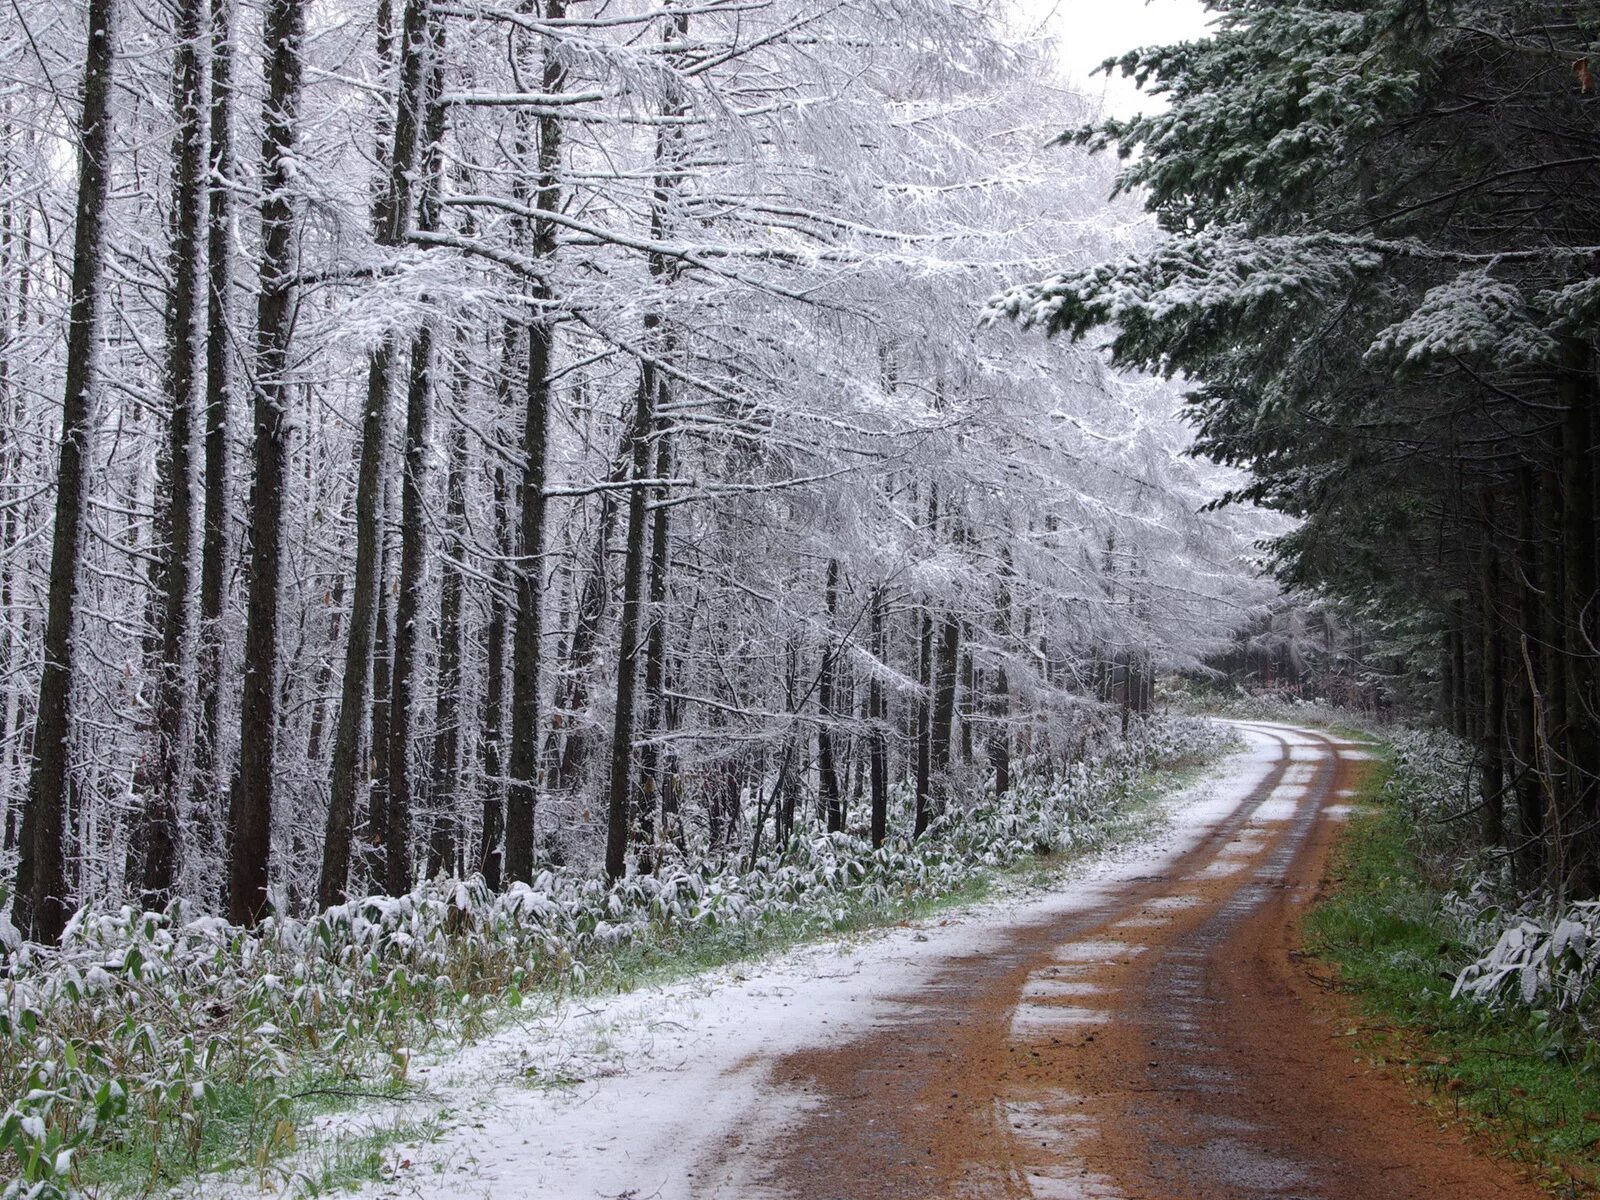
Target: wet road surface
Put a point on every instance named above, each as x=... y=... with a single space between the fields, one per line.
x=1162 y=1044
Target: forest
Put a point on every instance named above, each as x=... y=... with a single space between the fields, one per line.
x=1382 y=281
x=470 y=440
x=547 y=547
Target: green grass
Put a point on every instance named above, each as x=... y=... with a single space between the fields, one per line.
x=243 y=1126
x=342 y=1162
x=1531 y=1085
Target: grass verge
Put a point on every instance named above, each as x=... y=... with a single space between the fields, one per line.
x=1525 y=1082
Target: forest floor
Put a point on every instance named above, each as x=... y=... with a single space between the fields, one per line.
x=1147 y=1030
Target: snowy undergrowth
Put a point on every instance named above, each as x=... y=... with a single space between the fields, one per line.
x=125 y=1051
x=1528 y=952
x=1546 y=959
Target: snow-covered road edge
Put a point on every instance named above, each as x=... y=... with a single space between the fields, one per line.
x=626 y=1095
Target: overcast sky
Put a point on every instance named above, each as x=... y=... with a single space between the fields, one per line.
x=1090 y=31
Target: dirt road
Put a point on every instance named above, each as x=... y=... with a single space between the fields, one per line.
x=1164 y=1043
x=1141 y=1031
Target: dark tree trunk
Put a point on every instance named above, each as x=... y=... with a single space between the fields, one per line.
x=1450 y=676
x=878 y=714
x=1553 y=753
x=1581 y=580
x=521 y=796
x=651 y=398
x=13 y=238
x=494 y=803
x=522 y=793
x=1000 y=698
x=947 y=665
x=324 y=683
x=375 y=837
x=40 y=906
x=398 y=865
x=345 y=774
x=1000 y=739
x=208 y=772
x=250 y=808
x=651 y=780
x=184 y=322
x=967 y=704
x=1530 y=794
x=11 y=418
x=494 y=758
x=617 y=815
x=407 y=621
x=445 y=833
x=392 y=218
x=832 y=801
x=924 y=792
x=1461 y=688
x=788 y=781
x=1493 y=724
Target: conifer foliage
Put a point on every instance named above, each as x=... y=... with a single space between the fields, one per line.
x=1381 y=281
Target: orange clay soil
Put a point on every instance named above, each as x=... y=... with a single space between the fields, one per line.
x=1164 y=1044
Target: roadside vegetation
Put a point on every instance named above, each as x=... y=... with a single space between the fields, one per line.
x=1485 y=1001
x=151 y=1046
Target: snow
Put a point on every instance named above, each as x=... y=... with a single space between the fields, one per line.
x=630 y=1095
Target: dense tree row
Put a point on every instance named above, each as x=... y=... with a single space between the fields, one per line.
x=508 y=434
x=1383 y=282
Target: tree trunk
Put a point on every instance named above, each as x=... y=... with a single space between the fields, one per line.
x=494 y=758
x=655 y=656
x=184 y=324
x=392 y=217
x=398 y=867
x=966 y=707
x=878 y=713
x=944 y=705
x=832 y=801
x=1553 y=753
x=250 y=809
x=375 y=837
x=1000 y=699
x=617 y=815
x=319 y=713
x=524 y=784
x=651 y=397
x=1459 y=701
x=11 y=419
x=208 y=773
x=40 y=906
x=445 y=833
x=1581 y=580
x=1493 y=723
x=1530 y=806
x=407 y=621
x=924 y=726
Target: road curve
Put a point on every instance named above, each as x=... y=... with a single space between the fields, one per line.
x=1160 y=1044
x=1142 y=1031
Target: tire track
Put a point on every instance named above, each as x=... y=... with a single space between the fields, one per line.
x=1160 y=1043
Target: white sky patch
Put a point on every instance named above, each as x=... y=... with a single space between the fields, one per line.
x=1088 y=32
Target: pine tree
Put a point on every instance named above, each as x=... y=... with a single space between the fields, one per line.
x=41 y=905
